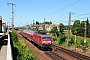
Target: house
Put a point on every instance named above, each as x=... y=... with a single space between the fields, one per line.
x=48 y=27
x=4 y=26
x=40 y=26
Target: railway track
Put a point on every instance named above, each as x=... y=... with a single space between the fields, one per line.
x=40 y=55
x=72 y=53
x=53 y=55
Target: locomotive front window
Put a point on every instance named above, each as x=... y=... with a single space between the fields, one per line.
x=45 y=38
x=48 y=38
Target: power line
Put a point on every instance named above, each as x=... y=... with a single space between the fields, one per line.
x=75 y=16
x=81 y=15
x=71 y=4
x=71 y=20
x=17 y=2
x=61 y=21
x=82 y=18
x=63 y=8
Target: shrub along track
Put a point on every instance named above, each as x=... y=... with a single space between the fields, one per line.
x=72 y=53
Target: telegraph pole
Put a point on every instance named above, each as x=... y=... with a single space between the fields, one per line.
x=85 y=38
x=44 y=24
x=69 y=27
x=12 y=14
x=85 y=33
x=33 y=22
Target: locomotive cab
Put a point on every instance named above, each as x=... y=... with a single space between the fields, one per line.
x=46 y=41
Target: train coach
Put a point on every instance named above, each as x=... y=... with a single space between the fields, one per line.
x=41 y=39
x=28 y=34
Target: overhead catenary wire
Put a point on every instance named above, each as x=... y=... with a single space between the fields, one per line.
x=78 y=15
x=81 y=18
x=71 y=20
x=17 y=2
x=65 y=20
x=81 y=15
x=61 y=9
x=64 y=7
x=9 y=12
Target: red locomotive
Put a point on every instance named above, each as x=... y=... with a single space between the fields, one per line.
x=41 y=39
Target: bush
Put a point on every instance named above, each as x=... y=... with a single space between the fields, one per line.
x=88 y=42
x=79 y=41
x=54 y=39
x=62 y=39
x=71 y=41
x=64 y=44
x=82 y=42
x=19 y=49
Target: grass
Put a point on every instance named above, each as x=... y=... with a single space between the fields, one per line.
x=64 y=44
x=56 y=42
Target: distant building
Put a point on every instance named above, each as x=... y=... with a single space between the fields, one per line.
x=48 y=27
x=0 y=24
x=40 y=26
x=4 y=25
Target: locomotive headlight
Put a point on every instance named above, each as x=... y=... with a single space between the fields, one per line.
x=43 y=43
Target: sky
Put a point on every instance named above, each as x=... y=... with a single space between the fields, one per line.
x=56 y=11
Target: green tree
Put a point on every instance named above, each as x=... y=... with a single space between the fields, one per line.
x=62 y=39
x=37 y=22
x=46 y=22
x=82 y=24
x=76 y=23
x=79 y=27
x=55 y=30
x=88 y=27
x=50 y=22
x=89 y=32
x=71 y=41
x=61 y=27
x=87 y=22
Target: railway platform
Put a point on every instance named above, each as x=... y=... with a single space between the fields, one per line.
x=5 y=52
